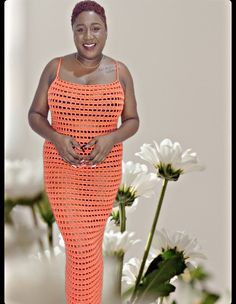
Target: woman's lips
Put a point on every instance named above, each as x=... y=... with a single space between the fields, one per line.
x=89 y=46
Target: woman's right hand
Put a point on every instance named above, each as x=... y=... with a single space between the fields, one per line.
x=64 y=145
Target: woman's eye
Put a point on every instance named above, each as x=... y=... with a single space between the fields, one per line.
x=80 y=30
x=96 y=29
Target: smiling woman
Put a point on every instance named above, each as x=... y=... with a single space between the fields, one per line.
x=179 y=56
x=86 y=92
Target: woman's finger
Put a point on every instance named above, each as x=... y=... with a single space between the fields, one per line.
x=71 y=160
x=98 y=159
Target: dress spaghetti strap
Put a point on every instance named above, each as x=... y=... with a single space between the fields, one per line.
x=58 y=67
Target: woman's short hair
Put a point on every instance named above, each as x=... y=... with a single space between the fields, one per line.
x=88 y=5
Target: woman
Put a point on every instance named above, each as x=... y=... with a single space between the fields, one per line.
x=86 y=92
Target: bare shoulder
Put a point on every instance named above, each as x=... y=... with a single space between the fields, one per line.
x=125 y=75
x=50 y=69
x=124 y=71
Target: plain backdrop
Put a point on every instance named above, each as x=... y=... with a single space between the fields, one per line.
x=178 y=52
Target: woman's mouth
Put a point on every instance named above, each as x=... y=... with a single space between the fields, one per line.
x=89 y=46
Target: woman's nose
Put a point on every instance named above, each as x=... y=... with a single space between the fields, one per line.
x=88 y=34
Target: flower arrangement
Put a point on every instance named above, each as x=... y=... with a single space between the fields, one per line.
x=166 y=257
x=168 y=272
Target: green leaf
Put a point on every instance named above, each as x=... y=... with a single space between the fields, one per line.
x=162 y=290
x=167 y=254
x=8 y=206
x=45 y=210
x=127 y=293
x=198 y=274
x=210 y=298
x=154 y=265
x=115 y=216
x=156 y=283
x=25 y=201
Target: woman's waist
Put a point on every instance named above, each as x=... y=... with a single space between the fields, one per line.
x=84 y=131
x=85 y=126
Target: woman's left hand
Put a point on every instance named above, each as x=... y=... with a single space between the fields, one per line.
x=103 y=145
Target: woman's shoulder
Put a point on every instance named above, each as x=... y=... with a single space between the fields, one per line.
x=123 y=69
x=121 y=64
x=53 y=64
x=51 y=67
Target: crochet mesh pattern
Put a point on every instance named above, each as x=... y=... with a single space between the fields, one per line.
x=82 y=198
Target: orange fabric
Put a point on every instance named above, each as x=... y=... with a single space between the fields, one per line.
x=82 y=198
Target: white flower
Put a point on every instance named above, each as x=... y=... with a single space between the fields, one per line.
x=23 y=179
x=110 y=224
x=132 y=208
x=113 y=220
x=136 y=180
x=115 y=243
x=179 y=241
x=169 y=158
x=129 y=210
x=131 y=270
x=130 y=170
x=143 y=184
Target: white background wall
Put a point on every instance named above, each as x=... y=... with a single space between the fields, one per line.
x=178 y=52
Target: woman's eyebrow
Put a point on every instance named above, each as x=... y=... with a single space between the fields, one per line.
x=82 y=24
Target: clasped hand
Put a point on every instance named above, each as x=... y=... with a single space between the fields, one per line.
x=103 y=145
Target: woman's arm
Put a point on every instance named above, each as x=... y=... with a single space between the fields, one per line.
x=38 y=113
x=129 y=116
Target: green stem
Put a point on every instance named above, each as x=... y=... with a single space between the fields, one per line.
x=150 y=237
x=36 y=225
x=50 y=235
x=122 y=229
x=122 y=216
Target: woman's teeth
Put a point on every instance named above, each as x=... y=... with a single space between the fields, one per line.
x=89 y=45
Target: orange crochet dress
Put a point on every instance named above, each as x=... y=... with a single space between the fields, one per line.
x=82 y=198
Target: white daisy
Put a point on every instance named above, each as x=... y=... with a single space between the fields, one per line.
x=115 y=243
x=169 y=159
x=110 y=224
x=179 y=241
x=136 y=182
x=131 y=270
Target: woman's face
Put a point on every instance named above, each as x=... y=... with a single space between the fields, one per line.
x=89 y=34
